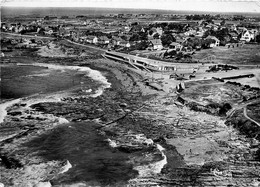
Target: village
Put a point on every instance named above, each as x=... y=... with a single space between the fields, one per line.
x=166 y=37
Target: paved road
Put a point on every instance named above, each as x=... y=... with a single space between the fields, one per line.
x=245 y=114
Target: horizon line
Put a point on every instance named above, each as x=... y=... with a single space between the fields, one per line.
x=124 y=8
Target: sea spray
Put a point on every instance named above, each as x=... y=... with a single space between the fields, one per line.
x=66 y=167
x=94 y=74
x=4 y=106
x=112 y=143
x=152 y=168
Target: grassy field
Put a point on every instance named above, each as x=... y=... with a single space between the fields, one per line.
x=248 y=54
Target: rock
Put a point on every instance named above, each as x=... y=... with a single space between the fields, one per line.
x=127 y=110
x=43 y=184
x=15 y=113
x=99 y=110
x=1 y=184
x=129 y=149
x=123 y=105
x=119 y=110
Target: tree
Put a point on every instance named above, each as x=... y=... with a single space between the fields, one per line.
x=142 y=45
x=135 y=37
x=150 y=32
x=223 y=22
x=156 y=36
x=167 y=39
x=258 y=38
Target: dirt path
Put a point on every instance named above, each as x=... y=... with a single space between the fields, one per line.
x=245 y=114
x=30 y=36
x=92 y=47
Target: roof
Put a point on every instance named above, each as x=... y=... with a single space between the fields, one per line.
x=117 y=38
x=233 y=33
x=213 y=38
x=104 y=38
x=91 y=37
x=156 y=42
x=174 y=43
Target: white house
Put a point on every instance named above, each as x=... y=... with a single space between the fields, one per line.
x=247 y=36
x=216 y=43
x=175 y=46
x=92 y=39
x=155 y=44
x=124 y=44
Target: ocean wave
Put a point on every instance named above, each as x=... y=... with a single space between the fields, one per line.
x=94 y=74
x=152 y=168
x=66 y=167
x=4 y=106
x=112 y=143
x=38 y=75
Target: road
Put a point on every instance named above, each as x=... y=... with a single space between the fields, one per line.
x=30 y=36
x=89 y=46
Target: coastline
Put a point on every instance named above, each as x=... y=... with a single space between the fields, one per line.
x=159 y=119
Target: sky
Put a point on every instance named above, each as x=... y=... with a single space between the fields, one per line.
x=190 y=5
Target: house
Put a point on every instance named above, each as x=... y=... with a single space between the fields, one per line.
x=137 y=29
x=215 y=43
x=124 y=44
x=116 y=40
x=190 y=32
x=234 y=35
x=103 y=40
x=154 y=31
x=92 y=39
x=155 y=44
x=19 y=28
x=48 y=31
x=247 y=35
x=175 y=46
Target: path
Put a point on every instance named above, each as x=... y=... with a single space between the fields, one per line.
x=89 y=46
x=245 y=114
x=24 y=35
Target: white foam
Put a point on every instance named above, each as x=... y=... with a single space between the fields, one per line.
x=97 y=93
x=38 y=75
x=94 y=74
x=62 y=120
x=143 y=139
x=88 y=91
x=112 y=143
x=152 y=168
x=4 y=106
x=66 y=167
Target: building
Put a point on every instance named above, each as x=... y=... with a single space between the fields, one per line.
x=175 y=46
x=215 y=43
x=92 y=39
x=103 y=40
x=124 y=44
x=155 y=44
x=246 y=36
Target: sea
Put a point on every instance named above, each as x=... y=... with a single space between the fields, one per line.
x=92 y=159
x=89 y=156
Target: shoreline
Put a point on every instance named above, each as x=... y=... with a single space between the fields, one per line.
x=167 y=124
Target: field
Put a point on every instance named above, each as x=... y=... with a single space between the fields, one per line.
x=248 y=54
